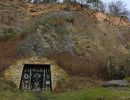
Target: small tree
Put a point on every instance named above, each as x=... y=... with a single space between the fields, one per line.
x=102 y=7
x=111 y=71
x=118 y=8
x=122 y=72
x=67 y=0
x=41 y=1
x=97 y=5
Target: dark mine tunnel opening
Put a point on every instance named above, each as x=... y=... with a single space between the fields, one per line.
x=36 y=77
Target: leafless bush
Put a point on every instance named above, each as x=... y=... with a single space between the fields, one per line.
x=118 y=8
x=80 y=65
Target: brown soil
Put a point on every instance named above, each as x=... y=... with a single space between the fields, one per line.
x=7 y=51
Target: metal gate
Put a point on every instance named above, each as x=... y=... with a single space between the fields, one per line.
x=36 y=77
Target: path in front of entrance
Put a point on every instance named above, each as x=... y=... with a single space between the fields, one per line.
x=39 y=96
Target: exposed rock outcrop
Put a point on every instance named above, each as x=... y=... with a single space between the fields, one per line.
x=116 y=83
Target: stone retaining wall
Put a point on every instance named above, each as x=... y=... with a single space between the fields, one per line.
x=14 y=73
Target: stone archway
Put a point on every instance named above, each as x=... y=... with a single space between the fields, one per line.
x=14 y=72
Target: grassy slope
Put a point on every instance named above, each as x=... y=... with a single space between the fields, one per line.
x=7 y=95
x=88 y=94
x=8 y=91
x=92 y=94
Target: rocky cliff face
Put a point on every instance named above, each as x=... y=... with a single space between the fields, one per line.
x=79 y=40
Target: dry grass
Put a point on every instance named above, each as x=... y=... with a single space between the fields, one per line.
x=80 y=65
x=8 y=53
x=76 y=83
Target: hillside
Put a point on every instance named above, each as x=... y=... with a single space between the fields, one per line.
x=82 y=47
x=66 y=33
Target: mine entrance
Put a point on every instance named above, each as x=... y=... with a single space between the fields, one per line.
x=36 y=77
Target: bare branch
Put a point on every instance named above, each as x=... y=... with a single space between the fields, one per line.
x=118 y=8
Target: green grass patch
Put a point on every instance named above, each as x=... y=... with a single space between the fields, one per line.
x=87 y=94
x=9 y=91
x=57 y=23
x=128 y=79
x=17 y=95
x=69 y=19
x=90 y=94
x=8 y=33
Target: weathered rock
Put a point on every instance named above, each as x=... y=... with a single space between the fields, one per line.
x=116 y=83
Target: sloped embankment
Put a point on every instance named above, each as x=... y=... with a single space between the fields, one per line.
x=79 y=40
x=80 y=43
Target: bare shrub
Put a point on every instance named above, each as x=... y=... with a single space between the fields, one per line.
x=118 y=8
x=80 y=65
